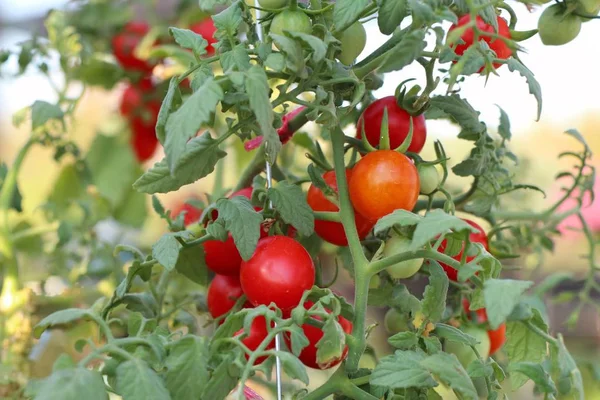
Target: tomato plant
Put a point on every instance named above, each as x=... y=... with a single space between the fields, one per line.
x=557 y=26
x=474 y=237
x=206 y=29
x=125 y=43
x=353 y=41
x=222 y=294
x=398 y=244
x=291 y=21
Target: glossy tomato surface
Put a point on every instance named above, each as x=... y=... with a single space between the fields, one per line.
x=384 y=181
x=398 y=123
x=497 y=45
x=333 y=232
x=474 y=237
x=206 y=28
x=308 y=355
x=258 y=333
x=125 y=43
x=279 y=272
x=222 y=294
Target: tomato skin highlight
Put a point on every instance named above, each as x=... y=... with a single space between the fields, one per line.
x=501 y=49
x=279 y=272
x=206 y=28
x=333 y=232
x=222 y=294
x=124 y=44
x=478 y=237
x=398 y=122
x=308 y=355
x=384 y=181
x=258 y=333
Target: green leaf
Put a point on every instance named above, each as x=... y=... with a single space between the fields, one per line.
x=397 y=218
x=501 y=296
x=228 y=21
x=390 y=15
x=346 y=12
x=534 y=87
x=522 y=344
x=404 y=340
x=192 y=265
x=276 y=61
x=136 y=381
x=404 y=53
x=97 y=72
x=568 y=371
x=479 y=369
x=72 y=384
x=133 y=209
x=448 y=370
x=298 y=340
x=434 y=298
x=579 y=137
x=319 y=48
x=293 y=367
x=504 y=127
x=166 y=251
x=434 y=224
x=201 y=155
x=237 y=59
x=331 y=345
x=449 y=332
x=537 y=374
x=293 y=51
x=184 y=124
x=402 y=370
x=62 y=317
x=258 y=89
x=242 y=221
x=171 y=101
x=42 y=112
x=460 y=111
x=189 y=40
x=187 y=369
x=422 y=12
x=290 y=203
x=224 y=378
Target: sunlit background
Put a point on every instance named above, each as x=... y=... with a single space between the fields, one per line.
x=568 y=75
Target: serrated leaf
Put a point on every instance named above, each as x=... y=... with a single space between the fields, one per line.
x=404 y=340
x=189 y=40
x=575 y=133
x=501 y=296
x=460 y=111
x=537 y=374
x=223 y=379
x=59 y=318
x=166 y=251
x=404 y=53
x=293 y=367
x=346 y=12
x=534 y=87
x=451 y=333
x=242 y=221
x=434 y=224
x=402 y=370
x=331 y=345
x=293 y=52
x=171 y=101
x=191 y=264
x=504 y=126
x=187 y=369
x=136 y=381
x=434 y=298
x=200 y=158
x=72 y=384
x=390 y=15
x=449 y=370
x=228 y=21
x=237 y=59
x=479 y=369
x=397 y=218
x=289 y=201
x=42 y=112
x=318 y=47
x=298 y=340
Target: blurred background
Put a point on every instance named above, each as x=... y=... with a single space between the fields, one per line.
x=570 y=85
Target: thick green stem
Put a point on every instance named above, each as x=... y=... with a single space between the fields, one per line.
x=354 y=392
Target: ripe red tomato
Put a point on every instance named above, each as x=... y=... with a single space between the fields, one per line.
x=222 y=294
x=398 y=122
x=279 y=272
x=206 y=28
x=333 y=232
x=143 y=135
x=478 y=237
x=308 y=355
x=497 y=336
x=258 y=333
x=497 y=45
x=384 y=181
x=124 y=45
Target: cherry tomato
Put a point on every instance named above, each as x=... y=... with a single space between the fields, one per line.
x=333 y=232
x=557 y=27
x=429 y=177
x=192 y=214
x=308 y=355
x=588 y=7
x=353 y=41
x=464 y=353
x=143 y=134
x=279 y=272
x=124 y=45
x=497 y=336
x=273 y=4
x=133 y=96
x=478 y=237
x=398 y=123
x=258 y=333
x=397 y=244
x=206 y=28
x=395 y=322
x=384 y=181
x=291 y=21
x=222 y=294
x=497 y=45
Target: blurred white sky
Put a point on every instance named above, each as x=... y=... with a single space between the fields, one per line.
x=568 y=74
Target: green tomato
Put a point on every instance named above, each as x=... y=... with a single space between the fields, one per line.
x=429 y=178
x=395 y=322
x=353 y=41
x=557 y=28
x=374 y=282
x=464 y=353
x=291 y=21
x=272 y=4
x=399 y=244
x=590 y=7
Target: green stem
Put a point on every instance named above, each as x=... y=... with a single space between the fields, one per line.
x=354 y=392
x=10 y=182
x=34 y=231
x=327 y=216
x=540 y=332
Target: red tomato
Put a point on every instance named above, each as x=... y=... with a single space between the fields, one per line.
x=279 y=272
x=333 y=232
x=497 y=45
x=478 y=237
x=384 y=181
x=124 y=45
x=192 y=214
x=133 y=96
x=222 y=294
x=308 y=355
x=206 y=29
x=497 y=336
x=143 y=135
x=398 y=122
x=258 y=333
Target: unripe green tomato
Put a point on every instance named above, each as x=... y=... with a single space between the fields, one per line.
x=464 y=353
x=395 y=322
x=353 y=41
x=557 y=28
x=429 y=178
x=272 y=4
x=590 y=7
x=399 y=244
x=291 y=21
